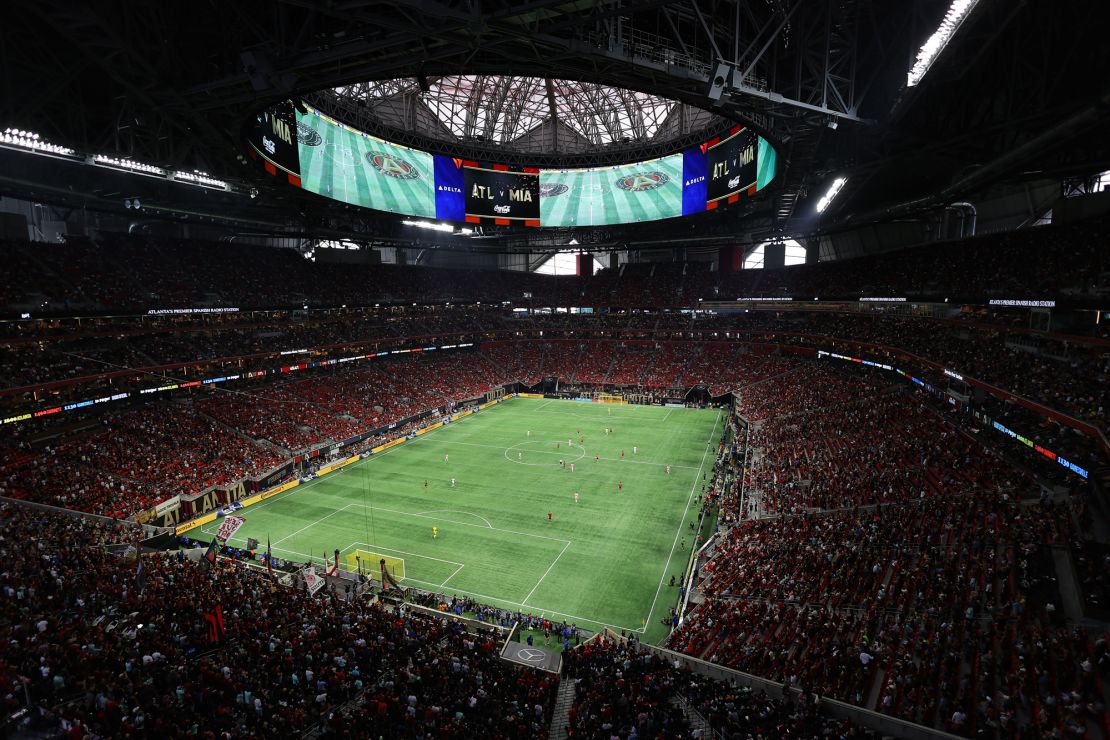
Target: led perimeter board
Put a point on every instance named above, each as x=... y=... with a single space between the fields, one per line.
x=336 y=161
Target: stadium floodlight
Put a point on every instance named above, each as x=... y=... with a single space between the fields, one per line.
x=202 y=178
x=448 y=228
x=32 y=142
x=127 y=164
x=957 y=13
x=837 y=184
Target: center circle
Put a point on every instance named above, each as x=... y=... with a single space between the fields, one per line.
x=517 y=448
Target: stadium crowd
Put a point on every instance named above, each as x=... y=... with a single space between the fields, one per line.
x=126 y=273
x=624 y=692
x=183 y=649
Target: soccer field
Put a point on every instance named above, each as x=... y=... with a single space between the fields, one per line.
x=605 y=561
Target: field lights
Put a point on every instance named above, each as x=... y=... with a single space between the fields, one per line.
x=32 y=141
x=837 y=184
x=128 y=164
x=957 y=12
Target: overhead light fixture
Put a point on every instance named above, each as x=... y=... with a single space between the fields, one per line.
x=31 y=141
x=837 y=184
x=447 y=228
x=957 y=13
x=197 y=177
x=128 y=164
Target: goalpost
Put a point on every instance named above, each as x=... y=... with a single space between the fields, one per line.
x=370 y=563
x=609 y=398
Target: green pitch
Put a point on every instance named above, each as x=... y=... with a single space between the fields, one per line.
x=606 y=560
x=365 y=171
x=644 y=191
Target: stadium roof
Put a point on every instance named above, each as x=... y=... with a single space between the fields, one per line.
x=510 y=111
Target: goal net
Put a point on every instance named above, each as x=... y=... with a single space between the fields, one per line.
x=609 y=398
x=369 y=562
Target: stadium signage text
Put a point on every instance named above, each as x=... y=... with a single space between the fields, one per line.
x=1023 y=303
x=182 y=311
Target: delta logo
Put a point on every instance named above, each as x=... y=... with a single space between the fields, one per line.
x=391 y=166
x=448 y=189
x=640 y=182
x=551 y=189
x=695 y=180
x=307 y=135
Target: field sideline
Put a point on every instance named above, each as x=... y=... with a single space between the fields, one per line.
x=604 y=561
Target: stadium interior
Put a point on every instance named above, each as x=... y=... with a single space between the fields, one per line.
x=309 y=311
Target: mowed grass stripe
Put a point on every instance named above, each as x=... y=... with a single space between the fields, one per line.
x=495 y=521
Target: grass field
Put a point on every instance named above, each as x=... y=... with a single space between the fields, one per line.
x=606 y=560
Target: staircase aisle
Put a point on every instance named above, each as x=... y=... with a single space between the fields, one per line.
x=563 y=702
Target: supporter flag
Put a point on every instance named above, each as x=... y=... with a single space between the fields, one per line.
x=252 y=544
x=215 y=619
x=269 y=558
x=210 y=553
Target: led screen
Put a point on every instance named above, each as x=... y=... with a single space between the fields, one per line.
x=339 y=162
x=500 y=194
x=272 y=133
x=645 y=191
x=356 y=168
x=732 y=164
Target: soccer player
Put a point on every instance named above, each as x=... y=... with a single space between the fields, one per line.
x=668 y=470
x=435 y=532
x=446 y=457
x=620 y=486
x=452 y=482
x=572 y=467
x=520 y=456
x=569 y=442
x=549 y=516
x=529 y=432
x=576 y=497
x=622 y=454
x=597 y=456
x=425 y=482
x=634 y=449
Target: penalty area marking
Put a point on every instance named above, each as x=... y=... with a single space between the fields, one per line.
x=454 y=511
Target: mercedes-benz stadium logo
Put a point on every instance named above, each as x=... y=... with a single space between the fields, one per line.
x=639 y=182
x=307 y=135
x=392 y=166
x=551 y=189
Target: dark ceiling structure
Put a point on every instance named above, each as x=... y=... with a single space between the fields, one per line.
x=1020 y=89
